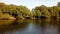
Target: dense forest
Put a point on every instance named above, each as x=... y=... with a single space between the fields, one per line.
x=44 y=11
x=23 y=12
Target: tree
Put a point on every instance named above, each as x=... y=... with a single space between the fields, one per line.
x=58 y=4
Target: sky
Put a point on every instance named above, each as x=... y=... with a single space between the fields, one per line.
x=31 y=3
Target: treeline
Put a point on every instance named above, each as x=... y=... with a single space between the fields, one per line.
x=23 y=12
x=44 y=11
x=13 y=10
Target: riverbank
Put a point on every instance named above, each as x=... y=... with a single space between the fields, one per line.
x=6 y=17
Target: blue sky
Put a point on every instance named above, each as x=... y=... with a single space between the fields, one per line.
x=31 y=3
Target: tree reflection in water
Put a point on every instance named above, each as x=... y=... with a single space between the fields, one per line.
x=29 y=26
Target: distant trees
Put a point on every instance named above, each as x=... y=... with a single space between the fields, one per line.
x=23 y=11
x=58 y=4
x=20 y=11
x=46 y=11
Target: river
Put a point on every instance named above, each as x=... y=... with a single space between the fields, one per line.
x=28 y=26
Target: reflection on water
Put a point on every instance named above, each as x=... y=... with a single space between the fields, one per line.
x=38 y=26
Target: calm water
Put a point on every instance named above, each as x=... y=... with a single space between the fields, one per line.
x=38 y=26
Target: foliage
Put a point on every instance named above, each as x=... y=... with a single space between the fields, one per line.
x=15 y=10
x=46 y=11
x=23 y=11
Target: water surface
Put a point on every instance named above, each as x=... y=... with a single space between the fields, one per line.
x=28 y=26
